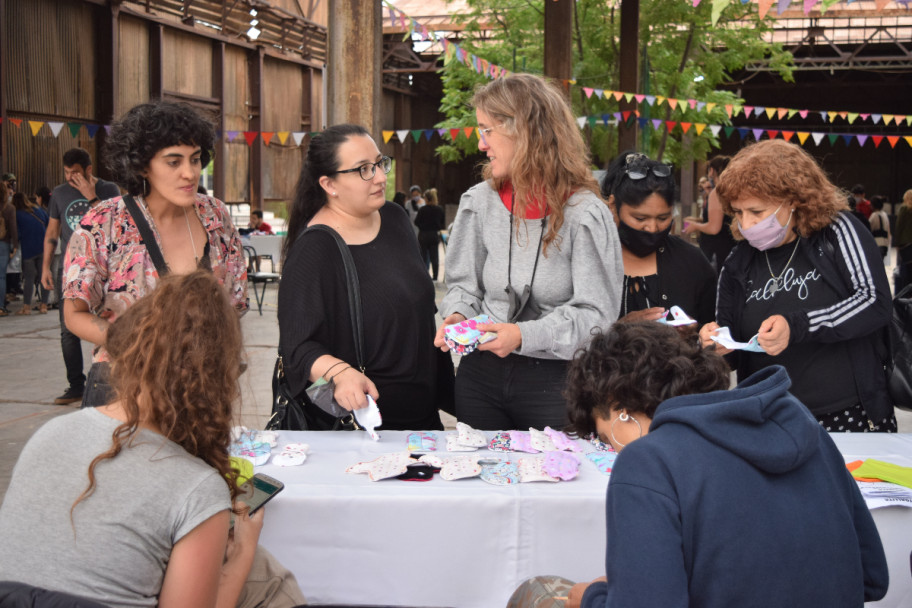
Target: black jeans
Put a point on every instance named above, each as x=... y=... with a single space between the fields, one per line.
x=429 y=241
x=70 y=343
x=515 y=392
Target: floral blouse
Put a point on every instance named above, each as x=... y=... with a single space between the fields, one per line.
x=108 y=267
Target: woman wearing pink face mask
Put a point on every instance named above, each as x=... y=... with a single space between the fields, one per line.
x=808 y=281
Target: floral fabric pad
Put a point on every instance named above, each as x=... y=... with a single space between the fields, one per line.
x=561 y=440
x=541 y=442
x=470 y=437
x=501 y=442
x=532 y=469
x=422 y=441
x=501 y=474
x=293 y=454
x=464 y=337
x=388 y=465
x=604 y=461
x=453 y=444
x=255 y=446
x=454 y=467
x=522 y=441
x=562 y=465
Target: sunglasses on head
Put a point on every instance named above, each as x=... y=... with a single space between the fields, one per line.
x=636 y=167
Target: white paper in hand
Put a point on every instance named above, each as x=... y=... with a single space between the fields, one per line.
x=369 y=418
x=724 y=338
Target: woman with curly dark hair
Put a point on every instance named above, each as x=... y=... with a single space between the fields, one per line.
x=132 y=498
x=807 y=279
x=156 y=151
x=715 y=493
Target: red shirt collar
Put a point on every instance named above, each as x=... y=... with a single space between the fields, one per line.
x=536 y=211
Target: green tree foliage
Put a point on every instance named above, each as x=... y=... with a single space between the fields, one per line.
x=678 y=45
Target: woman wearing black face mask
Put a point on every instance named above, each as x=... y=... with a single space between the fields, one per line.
x=660 y=270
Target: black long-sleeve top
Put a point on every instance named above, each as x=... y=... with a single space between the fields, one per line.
x=430 y=218
x=397 y=301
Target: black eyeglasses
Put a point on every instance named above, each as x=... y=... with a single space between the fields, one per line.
x=636 y=167
x=368 y=170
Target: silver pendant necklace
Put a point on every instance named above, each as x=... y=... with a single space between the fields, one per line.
x=775 y=287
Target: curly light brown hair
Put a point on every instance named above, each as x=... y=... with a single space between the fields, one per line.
x=176 y=357
x=550 y=159
x=778 y=171
x=636 y=366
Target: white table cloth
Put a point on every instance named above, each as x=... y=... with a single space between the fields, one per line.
x=466 y=543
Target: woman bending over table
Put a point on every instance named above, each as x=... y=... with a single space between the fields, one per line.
x=660 y=270
x=807 y=279
x=156 y=151
x=534 y=248
x=342 y=185
x=128 y=504
x=718 y=497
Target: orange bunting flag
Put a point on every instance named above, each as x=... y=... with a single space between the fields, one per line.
x=617 y=95
x=16 y=121
x=893 y=139
x=468 y=132
x=387 y=135
x=788 y=135
x=765 y=7
x=780 y=112
x=35 y=125
x=267 y=136
x=685 y=126
x=728 y=109
x=673 y=103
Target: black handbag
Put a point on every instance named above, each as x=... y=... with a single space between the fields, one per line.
x=899 y=366
x=315 y=409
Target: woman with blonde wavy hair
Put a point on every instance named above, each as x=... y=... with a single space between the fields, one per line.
x=534 y=247
x=808 y=281
x=132 y=498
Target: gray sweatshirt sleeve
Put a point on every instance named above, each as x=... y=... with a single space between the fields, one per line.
x=597 y=274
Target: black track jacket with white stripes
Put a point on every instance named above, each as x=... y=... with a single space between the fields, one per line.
x=848 y=259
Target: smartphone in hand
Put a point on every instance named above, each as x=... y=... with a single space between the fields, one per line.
x=257 y=491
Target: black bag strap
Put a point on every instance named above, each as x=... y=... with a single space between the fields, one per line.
x=148 y=238
x=354 y=290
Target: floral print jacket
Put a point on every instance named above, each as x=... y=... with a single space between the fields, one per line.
x=109 y=267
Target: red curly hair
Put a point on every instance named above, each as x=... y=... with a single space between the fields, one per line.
x=778 y=171
x=176 y=358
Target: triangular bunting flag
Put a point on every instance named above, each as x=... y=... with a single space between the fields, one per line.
x=283 y=136
x=831 y=116
x=628 y=97
x=770 y=112
x=908 y=139
x=35 y=126
x=641 y=122
x=758 y=133
x=843 y=115
x=670 y=125
x=772 y=133
x=685 y=126
x=468 y=132
x=107 y=129
x=441 y=132
x=92 y=130
x=428 y=134
x=700 y=106
x=588 y=92
x=758 y=110
x=792 y=113
x=802 y=136
x=893 y=139
x=788 y=135
x=267 y=136
x=55 y=127
x=617 y=95
x=250 y=136
x=875 y=118
x=861 y=139
x=592 y=120
x=818 y=137
x=748 y=110
x=887 y=118
x=852 y=117
x=600 y=93
x=743 y=132
x=387 y=136
x=698 y=127
x=834 y=137
x=711 y=106
x=714 y=129
x=765 y=7
x=728 y=109
x=650 y=99
x=673 y=103
x=660 y=100
x=639 y=98
x=656 y=123
x=581 y=121
x=74 y=128
x=803 y=113
x=15 y=121
x=298 y=137
x=230 y=135
x=729 y=131
x=402 y=134
x=454 y=133
x=692 y=103
x=416 y=135
x=606 y=119
x=781 y=112
x=877 y=139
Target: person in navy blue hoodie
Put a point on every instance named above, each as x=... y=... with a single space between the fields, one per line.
x=717 y=499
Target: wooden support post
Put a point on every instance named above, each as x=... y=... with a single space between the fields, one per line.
x=255 y=111
x=558 y=41
x=221 y=144
x=354 y=56
x=107 y=108
x=156 y=61
x=4 y=125
x=629 y=79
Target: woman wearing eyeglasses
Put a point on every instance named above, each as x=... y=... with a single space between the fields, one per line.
x=808 y=281
x=343 y=185
x=533 y=247
x=660 y=270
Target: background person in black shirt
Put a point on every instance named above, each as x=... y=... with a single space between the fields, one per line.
x=430 y=220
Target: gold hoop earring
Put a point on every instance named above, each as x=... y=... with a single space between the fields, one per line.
x=623 y=417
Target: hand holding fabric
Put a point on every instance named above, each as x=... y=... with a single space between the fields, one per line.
x=439 y=338
x=647 y=314
x=509 y=338
x=706 y=334
x=352 y=389
x=774 y=334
